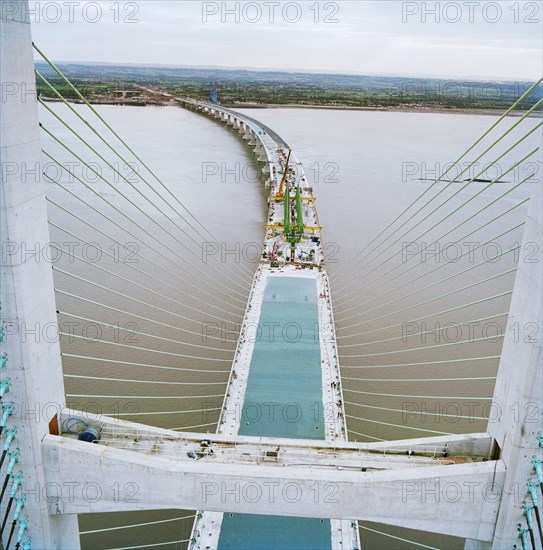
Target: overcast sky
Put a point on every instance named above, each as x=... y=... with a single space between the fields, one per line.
x=470 y=39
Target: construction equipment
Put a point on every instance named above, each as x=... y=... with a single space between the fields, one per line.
x=286 y=203
x=279 y=195
x=293 y=228
x=299 y=215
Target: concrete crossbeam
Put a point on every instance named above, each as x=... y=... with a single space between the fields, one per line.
x=459 y=499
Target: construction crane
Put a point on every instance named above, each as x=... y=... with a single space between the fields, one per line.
x=286 y=220
x=299 y=215
x=280 y=194
x=293 y=229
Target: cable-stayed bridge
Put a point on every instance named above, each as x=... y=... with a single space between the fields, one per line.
x=495 y=472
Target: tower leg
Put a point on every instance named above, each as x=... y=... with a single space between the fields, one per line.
x=519 y=386
x=27 y=292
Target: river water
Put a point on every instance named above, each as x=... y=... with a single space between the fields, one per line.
x=146 y=303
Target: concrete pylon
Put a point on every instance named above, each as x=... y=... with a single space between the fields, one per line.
x=27 y=294
x=516 y=417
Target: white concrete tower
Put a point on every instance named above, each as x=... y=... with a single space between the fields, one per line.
x=27 y=312
x=516 y=417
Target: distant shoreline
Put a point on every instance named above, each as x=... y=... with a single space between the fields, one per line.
x=396 y=109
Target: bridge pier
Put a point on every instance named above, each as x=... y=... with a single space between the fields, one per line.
x=260 y=153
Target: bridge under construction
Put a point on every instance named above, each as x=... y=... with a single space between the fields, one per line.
x=280 y=470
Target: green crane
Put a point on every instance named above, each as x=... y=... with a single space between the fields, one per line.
x=299 y=215
x=293 y=229
x=286 y=203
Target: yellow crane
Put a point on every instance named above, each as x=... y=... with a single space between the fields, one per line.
x=280 y=194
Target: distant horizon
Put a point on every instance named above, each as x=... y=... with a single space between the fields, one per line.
x=292 y=70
